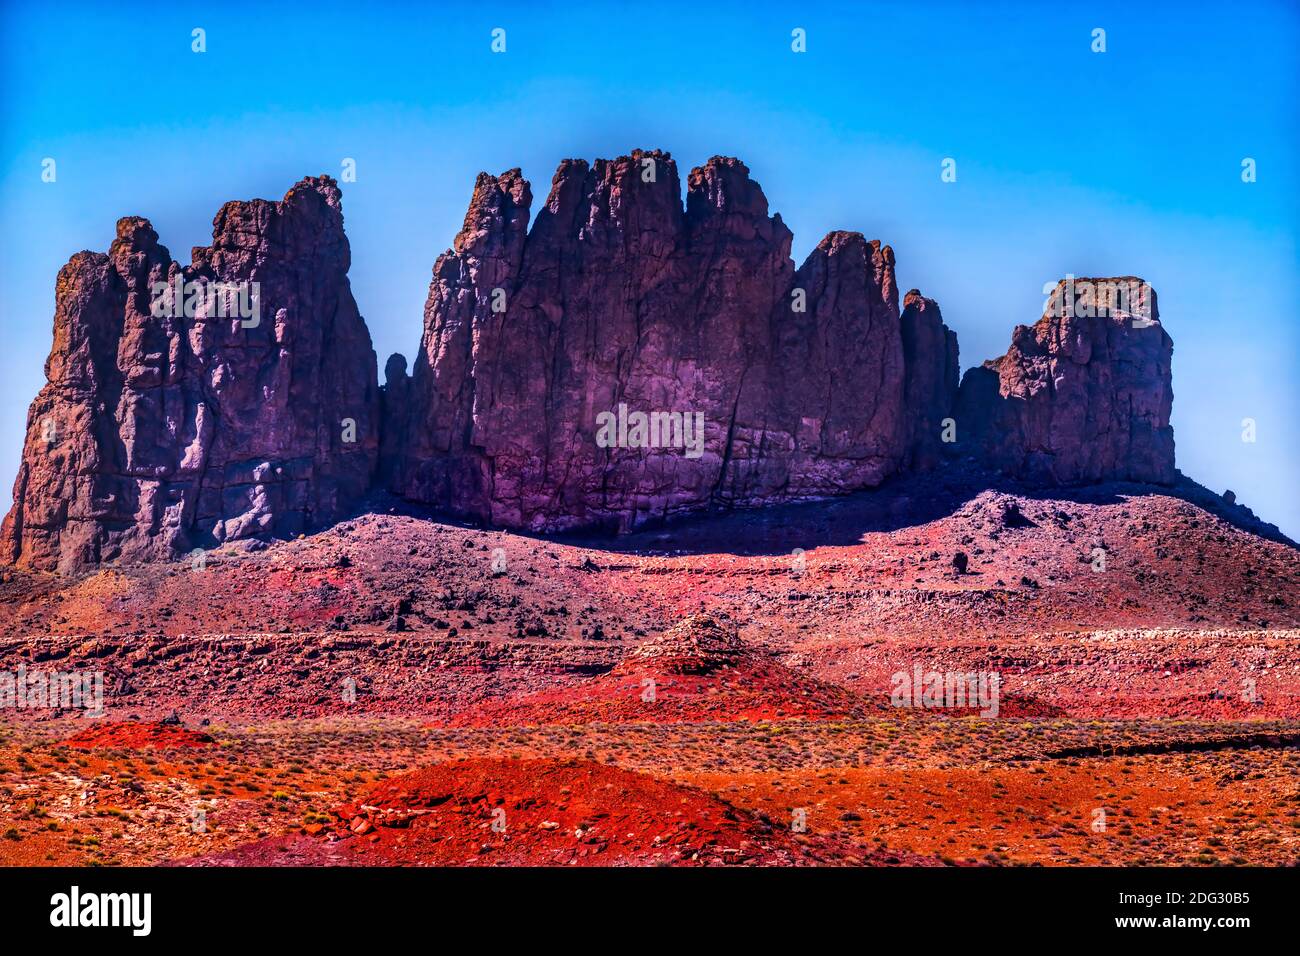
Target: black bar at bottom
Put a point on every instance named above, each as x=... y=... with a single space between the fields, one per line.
x=229 y=906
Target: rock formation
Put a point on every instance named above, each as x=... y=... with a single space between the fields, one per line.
x=1082 y=396
x=930 y=385
x=544 y=349
x=188 y=406
x=394 y=405
x=626 y=358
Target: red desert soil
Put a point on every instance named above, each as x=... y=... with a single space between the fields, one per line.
x=1236 y=808
x=133 y=735
x=698 y=670
x=553 y=813
x=971 y=791
x=1164 y=683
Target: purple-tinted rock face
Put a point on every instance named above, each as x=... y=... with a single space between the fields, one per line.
x=187 y=406
x=1083 y=396
x=543 y=350
x=625 y=359
x=542 y=347
x=930 y=385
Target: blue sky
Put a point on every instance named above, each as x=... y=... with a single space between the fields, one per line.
x=1068 y=161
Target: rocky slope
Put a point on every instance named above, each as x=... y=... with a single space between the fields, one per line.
x=698 y=670
x=433 y=620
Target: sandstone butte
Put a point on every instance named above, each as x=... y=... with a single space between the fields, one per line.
x=161 y=431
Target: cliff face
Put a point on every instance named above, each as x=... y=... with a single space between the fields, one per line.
x=1082 y=396
x=627 y=358
x=543 y=349
x=930 y=385
x=803 y=383
x=187 y=406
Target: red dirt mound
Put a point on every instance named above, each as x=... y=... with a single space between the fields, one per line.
x=697 y=671
x=549 y=812
x=134 y=735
